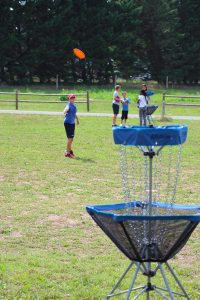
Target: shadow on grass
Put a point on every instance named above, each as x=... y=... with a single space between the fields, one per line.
x=86 y=160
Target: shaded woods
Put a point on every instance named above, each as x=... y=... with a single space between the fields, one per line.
x=125 y=38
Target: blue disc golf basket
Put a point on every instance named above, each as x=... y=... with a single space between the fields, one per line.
x=150 y=110
x=148 y=227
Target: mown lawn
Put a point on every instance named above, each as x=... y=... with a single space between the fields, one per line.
x=101 y=99
x=49 y=246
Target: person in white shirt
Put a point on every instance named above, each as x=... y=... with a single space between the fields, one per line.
x=144 y=88
x=116 y=104
x=142 y=104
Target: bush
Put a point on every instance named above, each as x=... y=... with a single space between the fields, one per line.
x=63 y=98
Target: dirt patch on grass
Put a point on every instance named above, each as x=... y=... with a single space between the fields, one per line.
x=15 y=234
x=6 y=234
x=2 y=178
x=186 y=257
x=62 y=221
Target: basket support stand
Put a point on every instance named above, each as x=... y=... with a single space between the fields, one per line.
x=149 y=287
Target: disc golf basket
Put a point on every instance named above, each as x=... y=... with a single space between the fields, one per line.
x=148 y=227
x=150 y=110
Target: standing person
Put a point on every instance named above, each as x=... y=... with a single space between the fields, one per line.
x=125 y=106
x=116 y=104
x=144 y=88
x=69 y=124
x=142 y=104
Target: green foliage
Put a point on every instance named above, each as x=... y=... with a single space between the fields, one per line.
x=159 y=25
x=63 y=98
x=123 y=37
x=189 y=12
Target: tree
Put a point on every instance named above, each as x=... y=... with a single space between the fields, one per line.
x=189 y=12
x=93 y=34
x=159 y=24
x=128 y=44
x=12 y=43
x=124 y=36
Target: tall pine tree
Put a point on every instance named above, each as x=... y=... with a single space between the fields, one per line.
x=159 y=24
x=189 y=12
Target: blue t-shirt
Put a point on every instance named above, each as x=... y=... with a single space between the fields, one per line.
x=125 y=105
x=71 y=114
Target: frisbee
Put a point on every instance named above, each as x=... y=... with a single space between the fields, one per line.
x=149 y=93
x=78 y=53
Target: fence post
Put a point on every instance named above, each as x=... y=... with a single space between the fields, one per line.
x=88 y=101
x=167 y=82
x=163 y=106
x=57 y=81
x=16 y=99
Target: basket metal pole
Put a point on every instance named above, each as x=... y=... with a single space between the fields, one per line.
x=148 y=287
x=166 y=282
x=177 y=280
x=140 y=293
x=150 y=181
x=150 y=154
x=161 y=294
x=133 y=281
x=120 y=279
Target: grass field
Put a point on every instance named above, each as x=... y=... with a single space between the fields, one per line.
x=102 y=99
x=50 y=248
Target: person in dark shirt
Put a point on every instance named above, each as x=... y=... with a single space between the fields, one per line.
x=69 y=124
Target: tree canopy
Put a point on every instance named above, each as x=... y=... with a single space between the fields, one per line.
x=125 y=37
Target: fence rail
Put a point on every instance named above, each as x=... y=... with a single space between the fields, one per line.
x=85 y=98
x=164 y=103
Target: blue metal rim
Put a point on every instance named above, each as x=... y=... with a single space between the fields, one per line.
x=104 y=210
x=150 y=136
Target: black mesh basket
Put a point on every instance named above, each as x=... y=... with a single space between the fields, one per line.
x=151 y=109
x=145 y=238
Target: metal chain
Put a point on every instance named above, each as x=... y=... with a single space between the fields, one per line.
x=169 y=175
x=176 y=174
x=124 y=170
x=160 y=177
x=141 y=189
x=133 y=173
x=156 y=178
x=146 y=179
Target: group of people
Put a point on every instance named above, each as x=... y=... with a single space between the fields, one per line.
x=142 y=105
x=71 y=116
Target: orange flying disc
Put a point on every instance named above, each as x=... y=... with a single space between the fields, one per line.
x=80 y=54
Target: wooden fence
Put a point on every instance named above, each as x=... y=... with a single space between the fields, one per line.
x=81 y=98
x=164 y=103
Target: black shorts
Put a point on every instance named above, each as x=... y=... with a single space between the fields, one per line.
x=115 y=109
x=124 y=115
x=70 y=130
